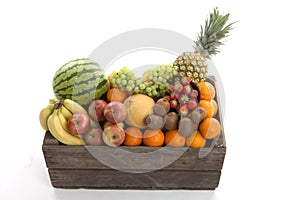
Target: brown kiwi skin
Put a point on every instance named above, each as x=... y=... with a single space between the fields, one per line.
x=155 y=122
x=186 y=127
x=171 y=121
x=165 y=103
x=159 y=109
x=197 y=115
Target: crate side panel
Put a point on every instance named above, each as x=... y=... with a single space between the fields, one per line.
x=77 y=157
x=113 y=179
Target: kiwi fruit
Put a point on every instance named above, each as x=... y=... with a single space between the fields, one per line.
x=154 y=122
x=171 y=121
x=197 y=115
x=159 y=109
x=186 y=127
x=165 y=103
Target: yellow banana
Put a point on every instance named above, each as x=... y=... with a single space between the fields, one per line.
x=64 y=122
x=53 y=101
x=74 y=107
x=65 y=137
x=44 y=115
x=65 y=112
x=52 y=127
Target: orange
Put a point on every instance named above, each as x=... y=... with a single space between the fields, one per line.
x=115 y=94
x=208 y=107
x=174 y=139
x=207 y=91
x=154 y=138
x=215 y=107
x=196 y=140
x=210 y=128
x=133 y=136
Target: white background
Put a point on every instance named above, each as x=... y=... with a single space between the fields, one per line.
x=259 y=68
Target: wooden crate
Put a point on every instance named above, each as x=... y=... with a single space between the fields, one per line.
x=74 y=167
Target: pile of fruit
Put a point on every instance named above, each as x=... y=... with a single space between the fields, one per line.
x=171 y=104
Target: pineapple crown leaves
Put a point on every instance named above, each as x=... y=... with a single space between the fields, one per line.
x=209 y=39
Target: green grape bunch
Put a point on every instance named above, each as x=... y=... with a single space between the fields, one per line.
x=154 y=82
x=124 y=79
x=158 y=79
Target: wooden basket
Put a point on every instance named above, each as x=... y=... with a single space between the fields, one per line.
x=74 y=167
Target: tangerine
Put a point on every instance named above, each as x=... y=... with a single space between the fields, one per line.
x=115 y=94
x=154 y=138
x=210 y=128
x=207 y=91
x=215 y=107
x=133 y=136
x=208 y=107
x=174 y=139
x=195 y=140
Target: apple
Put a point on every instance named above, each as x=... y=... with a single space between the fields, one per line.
x=93 y=137
x=115 y=112
x=79 y=123
x=96 y=110
x=107 y=123
x=113 y=135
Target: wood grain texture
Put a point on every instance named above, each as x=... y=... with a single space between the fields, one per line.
x=113 y=179
x=49 y=139
x=78 y=157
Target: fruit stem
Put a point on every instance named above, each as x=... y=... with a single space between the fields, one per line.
x=59 y=104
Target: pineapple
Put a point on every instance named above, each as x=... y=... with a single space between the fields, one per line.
x=193 y=64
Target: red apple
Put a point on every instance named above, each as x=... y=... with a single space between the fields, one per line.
x=93 y=137
x=113 y=135
x=96 y=110
x=107 y=123
x=79 y=123
x=115 y=112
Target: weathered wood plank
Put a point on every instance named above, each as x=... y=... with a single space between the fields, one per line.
x=113 y=179
x=49 y=139
x=78 y=157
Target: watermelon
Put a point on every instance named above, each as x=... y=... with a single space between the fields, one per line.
x=81 y=80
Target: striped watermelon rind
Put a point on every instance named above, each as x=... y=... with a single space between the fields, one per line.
x=81 y=80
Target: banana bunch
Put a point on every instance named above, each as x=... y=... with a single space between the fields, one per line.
x=54 y=118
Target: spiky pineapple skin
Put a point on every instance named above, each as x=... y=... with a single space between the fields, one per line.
x=192 y=65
